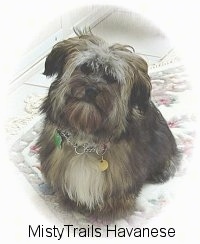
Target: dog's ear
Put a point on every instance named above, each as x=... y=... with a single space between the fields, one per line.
x=141 y=90
x=55 y=61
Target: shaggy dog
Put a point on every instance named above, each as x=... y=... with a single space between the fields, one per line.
x=103 y=138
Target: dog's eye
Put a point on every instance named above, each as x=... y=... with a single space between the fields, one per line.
x=109 y=78
x=86 y=69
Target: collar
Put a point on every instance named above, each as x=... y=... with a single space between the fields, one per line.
x=63 y=135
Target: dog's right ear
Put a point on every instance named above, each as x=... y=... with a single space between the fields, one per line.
x=55 y=61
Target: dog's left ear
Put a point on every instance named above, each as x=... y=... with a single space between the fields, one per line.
x=141 y=90
x=55 y=61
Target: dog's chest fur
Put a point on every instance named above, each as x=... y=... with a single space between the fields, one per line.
x=80 y=177
x=84 y=182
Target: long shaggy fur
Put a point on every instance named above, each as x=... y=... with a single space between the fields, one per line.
x=101 y=94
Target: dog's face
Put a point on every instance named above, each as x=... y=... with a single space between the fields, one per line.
x=98 y=87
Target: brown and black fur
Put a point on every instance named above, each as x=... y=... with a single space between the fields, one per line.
x=141 y=146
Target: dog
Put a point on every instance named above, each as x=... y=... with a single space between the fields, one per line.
x=103 y=138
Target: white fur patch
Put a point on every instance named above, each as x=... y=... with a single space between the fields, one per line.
x=84 y=181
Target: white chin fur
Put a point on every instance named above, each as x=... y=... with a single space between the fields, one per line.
x=84 y=181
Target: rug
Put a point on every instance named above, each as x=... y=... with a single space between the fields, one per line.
x=171 y=92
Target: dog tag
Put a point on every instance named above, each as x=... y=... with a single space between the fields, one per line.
x=58 y=140
x=103 y=165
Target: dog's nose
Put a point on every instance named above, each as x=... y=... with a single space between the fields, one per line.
x=91 y=92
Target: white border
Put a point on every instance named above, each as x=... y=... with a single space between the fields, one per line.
x=180 y=20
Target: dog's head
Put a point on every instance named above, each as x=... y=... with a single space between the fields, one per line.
x=97 y=86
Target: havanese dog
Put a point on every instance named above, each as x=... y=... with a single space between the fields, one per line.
x=103 y=138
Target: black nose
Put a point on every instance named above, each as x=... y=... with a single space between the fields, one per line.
x=91 y=92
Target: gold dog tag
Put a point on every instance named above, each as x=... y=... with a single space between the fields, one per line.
x=103 y=165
